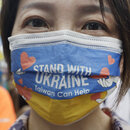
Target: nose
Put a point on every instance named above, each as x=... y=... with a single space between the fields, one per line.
x=64 y=23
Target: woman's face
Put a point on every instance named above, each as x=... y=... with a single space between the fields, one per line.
x=83 y=16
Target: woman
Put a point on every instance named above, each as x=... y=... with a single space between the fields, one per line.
x=66 y=58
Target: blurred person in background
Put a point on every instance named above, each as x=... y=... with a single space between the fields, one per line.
x=7 y=111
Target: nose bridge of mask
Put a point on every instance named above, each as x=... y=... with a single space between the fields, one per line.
x=75 y=38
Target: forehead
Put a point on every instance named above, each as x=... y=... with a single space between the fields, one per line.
x=61 y=3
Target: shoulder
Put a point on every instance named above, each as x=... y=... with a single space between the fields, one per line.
x=21 y=122
x=117 y=122
x=126 y=126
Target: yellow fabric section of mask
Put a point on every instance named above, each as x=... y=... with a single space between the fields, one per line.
x=63 y=112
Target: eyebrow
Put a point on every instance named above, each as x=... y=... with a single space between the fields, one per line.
x=89 y=9
x=40 y=5
x=85 y=9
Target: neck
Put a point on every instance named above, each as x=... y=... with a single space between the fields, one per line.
x=96 y=120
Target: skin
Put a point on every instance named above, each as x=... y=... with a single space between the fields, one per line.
x=83 y=16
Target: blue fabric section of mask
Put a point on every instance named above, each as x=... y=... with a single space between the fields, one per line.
x=64 y=71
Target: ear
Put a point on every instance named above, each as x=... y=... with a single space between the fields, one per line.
x=121 y=64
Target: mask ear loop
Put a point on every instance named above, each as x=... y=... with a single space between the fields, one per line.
x=121 y=64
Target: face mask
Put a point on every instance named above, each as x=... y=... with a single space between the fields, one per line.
x=64 y=75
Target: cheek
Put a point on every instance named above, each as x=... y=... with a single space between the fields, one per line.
x=17 y=27
x=16 y=30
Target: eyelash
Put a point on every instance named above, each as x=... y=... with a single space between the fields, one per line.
x=95 y=24
x=39 y=22
x=35 y=19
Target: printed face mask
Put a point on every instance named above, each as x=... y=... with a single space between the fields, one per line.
x=64 y=75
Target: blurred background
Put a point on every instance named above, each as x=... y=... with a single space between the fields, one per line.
x=18 y=101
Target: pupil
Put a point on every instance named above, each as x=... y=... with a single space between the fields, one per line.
x=37 y=23
x=93 y=26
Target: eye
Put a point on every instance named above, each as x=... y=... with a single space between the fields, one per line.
x=35 y=23
x=94 y=26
